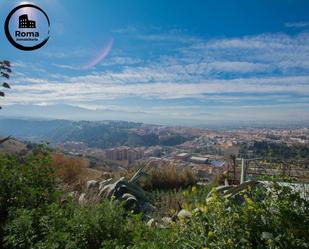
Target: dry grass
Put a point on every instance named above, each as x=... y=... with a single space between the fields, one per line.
x=169 y=177
x=165 y=177
x=89 y=174
x=73 y=171
x=67 y=168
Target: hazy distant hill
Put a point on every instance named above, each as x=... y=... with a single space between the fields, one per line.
x=13 y=146
x=102 y=134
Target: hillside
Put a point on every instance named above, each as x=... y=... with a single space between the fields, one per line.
x=100 y=134
x=13 y=146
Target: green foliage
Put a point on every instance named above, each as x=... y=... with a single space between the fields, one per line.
x=5 y=72
x=33 y=215
x=276 y=150
x=26 y=183
x=271 y=219
x=67 y=226
x=167 y=202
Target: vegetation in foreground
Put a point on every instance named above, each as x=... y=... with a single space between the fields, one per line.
x=34 y=214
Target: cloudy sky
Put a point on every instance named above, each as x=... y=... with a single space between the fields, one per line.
x=165 y=61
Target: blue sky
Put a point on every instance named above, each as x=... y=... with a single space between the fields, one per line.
x=167 y=62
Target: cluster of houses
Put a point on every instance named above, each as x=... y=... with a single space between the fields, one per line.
x=203 y=166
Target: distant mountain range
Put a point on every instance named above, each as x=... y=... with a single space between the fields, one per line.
x=69 y=112
x=100 y=134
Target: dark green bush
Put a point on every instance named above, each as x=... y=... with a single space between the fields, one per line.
x=68 y=226
x=25 y=183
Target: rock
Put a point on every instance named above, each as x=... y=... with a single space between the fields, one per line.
x=167 y=220
x=154 y=223
x=267 y=235
x=73 y=194
x=184 y=214
x=92 y=184
x=82 y=199
x=151 y=222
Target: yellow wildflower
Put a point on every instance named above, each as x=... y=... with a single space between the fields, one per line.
x=185 y=193
x=186 y=206
x=250 y=204
x=229 y=242
x=193 y=189
x=236 y=216
x=204 y=208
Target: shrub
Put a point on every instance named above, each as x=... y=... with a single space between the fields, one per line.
x=33 y=216
x=67 y=226
x=25 y=183
x=271 y=219
x=167 y=202
x=67 y=168
x=29 y=183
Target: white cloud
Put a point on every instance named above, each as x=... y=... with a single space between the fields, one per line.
x=275 y=64
x=90 y=88
x=277 y=51
x=238 y=66
x=297 y=24
x=66 y=66
x=120 y=60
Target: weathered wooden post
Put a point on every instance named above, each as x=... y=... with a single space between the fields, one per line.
x=243 y=171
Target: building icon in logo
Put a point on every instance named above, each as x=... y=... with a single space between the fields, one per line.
x=24 y=22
